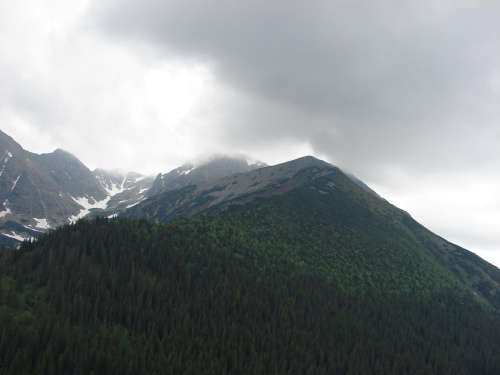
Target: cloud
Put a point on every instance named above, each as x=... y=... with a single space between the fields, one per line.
x=377 y=80
x=63 y=85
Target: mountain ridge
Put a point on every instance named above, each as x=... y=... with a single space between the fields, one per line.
x=267 y=180
x=79 y=192
x=39 y=192
x=293 y=268
x=203 y=170
x=328 y=194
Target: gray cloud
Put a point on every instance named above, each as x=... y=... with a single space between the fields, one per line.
x=380 y=80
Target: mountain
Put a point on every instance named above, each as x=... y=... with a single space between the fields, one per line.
x=294 y=268
x=125 y=190
x=338 y=213
x=191 y=173
x=40 y=192
x=237 y=188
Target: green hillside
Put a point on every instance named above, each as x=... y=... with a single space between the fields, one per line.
x=315 y=216
x=302 y=282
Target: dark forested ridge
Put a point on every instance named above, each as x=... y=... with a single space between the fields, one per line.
x=238 y=293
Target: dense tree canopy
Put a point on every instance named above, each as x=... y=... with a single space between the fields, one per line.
x=231 y=294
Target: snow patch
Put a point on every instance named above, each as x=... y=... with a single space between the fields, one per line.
x=41 y=223
x=9 y=155
x=122 y=186
x=187 y=171
x=5 y=213
x=15 y=182
x=87 y=206
x=15 y=236
x=30 y=227
x=115 y=188
x=7 y=210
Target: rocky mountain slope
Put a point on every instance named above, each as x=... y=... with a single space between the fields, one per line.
x=236 y=189
x=331 y=199
x=211 y=169
x=40 y=192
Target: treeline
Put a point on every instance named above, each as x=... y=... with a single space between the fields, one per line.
x=222 y=294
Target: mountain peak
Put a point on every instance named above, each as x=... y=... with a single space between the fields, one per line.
x=61 y=151
x=222 y=157
x=116 y=172
x=203 y=169
x=230 y=188
x=8 y=144
x=307 y=161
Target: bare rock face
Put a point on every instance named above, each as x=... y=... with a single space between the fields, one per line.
x=239 y=188
x=41 y=192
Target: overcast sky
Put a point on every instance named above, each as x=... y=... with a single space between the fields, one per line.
x=403 y=94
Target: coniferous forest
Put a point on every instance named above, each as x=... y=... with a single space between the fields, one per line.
x=269 y=289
